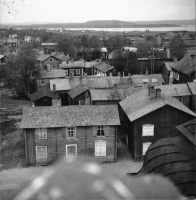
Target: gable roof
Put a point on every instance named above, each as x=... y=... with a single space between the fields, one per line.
x=192 y=87
x=63 y=116
x=175 y=89
x=106 y=94
x=103 y=67
x=43 y=57
x=2 y=56
x=56 y=73
x=186 y=65
x=62 y=57
x=103 y=50
x=79 y=89
x=140 y=104
x=43 y=93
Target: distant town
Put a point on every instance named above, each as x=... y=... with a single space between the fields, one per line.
x=123 y=99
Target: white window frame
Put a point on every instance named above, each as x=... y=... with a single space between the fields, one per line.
x=37 y=154
x=77 y=71
x=146 y=130
x=66 y=72
x=100 y=128
x=146 y=145
x=97 y=143
x=41 y=133
x=69 y=131
x=75 y=150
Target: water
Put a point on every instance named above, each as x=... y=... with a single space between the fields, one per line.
x=159 y=29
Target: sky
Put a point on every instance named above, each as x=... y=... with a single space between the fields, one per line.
x=70 y=11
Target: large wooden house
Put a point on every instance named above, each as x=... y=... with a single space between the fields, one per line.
x=87 y=131
x=174 y=157
x=150 y=116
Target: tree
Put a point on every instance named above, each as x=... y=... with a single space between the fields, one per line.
x=144 y=46
x=20 y=67
x=177 y=46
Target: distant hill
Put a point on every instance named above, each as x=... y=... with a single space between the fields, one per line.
x=177 y=22
x=98 y=24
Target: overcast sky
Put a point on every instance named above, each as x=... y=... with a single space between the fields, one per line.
x=38 y=11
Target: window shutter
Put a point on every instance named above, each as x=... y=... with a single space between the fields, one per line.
x=95 y=129
x=107 y=130
x=64 y=132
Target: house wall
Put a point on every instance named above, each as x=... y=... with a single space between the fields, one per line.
x=54 y=64
x=164 y=120
x=45 y=101
x=184 y=78
x=165 y=73
x=186 y=100
x=64 y=98
x=74 y=71
x=56 y=144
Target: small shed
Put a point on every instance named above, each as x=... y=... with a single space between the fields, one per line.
x=149 y=116
x=45 y=97
x=174 y=157
x=88 y=131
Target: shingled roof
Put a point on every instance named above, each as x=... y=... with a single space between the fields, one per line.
x=43 y=57
x=58 y=73
x=72 y=64
x=140 y=104
x=43 y=93
x=106 y=94
x=186 y=65
x=86 y=115
x=175 y=89
x=174 y=158
x=76 y=91
x=140 y=78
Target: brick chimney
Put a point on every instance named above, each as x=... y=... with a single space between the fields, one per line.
x=175 y=60
x=54 y=88
x=171 y=78
x=168 y=53
x=115 y=92
x=129 y=74
x=147 y=72
x=151 y=91
x=158 y=92
x=70 y=76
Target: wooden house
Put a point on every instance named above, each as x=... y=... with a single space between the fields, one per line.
x=104 y=53
x=48 y=62
x=87 y=131
x=178 y=91
x=184 y=70
x=192 y=87
x=104 y=69
x=149 y=116
x=45 y=97
x=174 y=158
x=12 y=43
x=49 y=47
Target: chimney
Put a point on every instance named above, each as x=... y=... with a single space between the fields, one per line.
x=171 y=78
x=54 y=88
x=118 y=73
x=147 y=71
x=129 y=74
x=175 y=60
x=85 y=74
x=150 y=89
x=168 y=53
x=67 y=55
x=72 y=60
x=110 y=74
x=115 y=91
x=70 y=76
x=158 y=92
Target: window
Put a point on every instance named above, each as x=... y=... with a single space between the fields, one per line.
x=145 y=147
x=66 y=72
x=71 y=132
x=114 y=71
x=77 y=71
x=41 y=151
x=148 y=130
x=71 y=150
x=41 y=133
x=100 y=131
x=42 y=82
x=51 y=59
x=100 y=148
